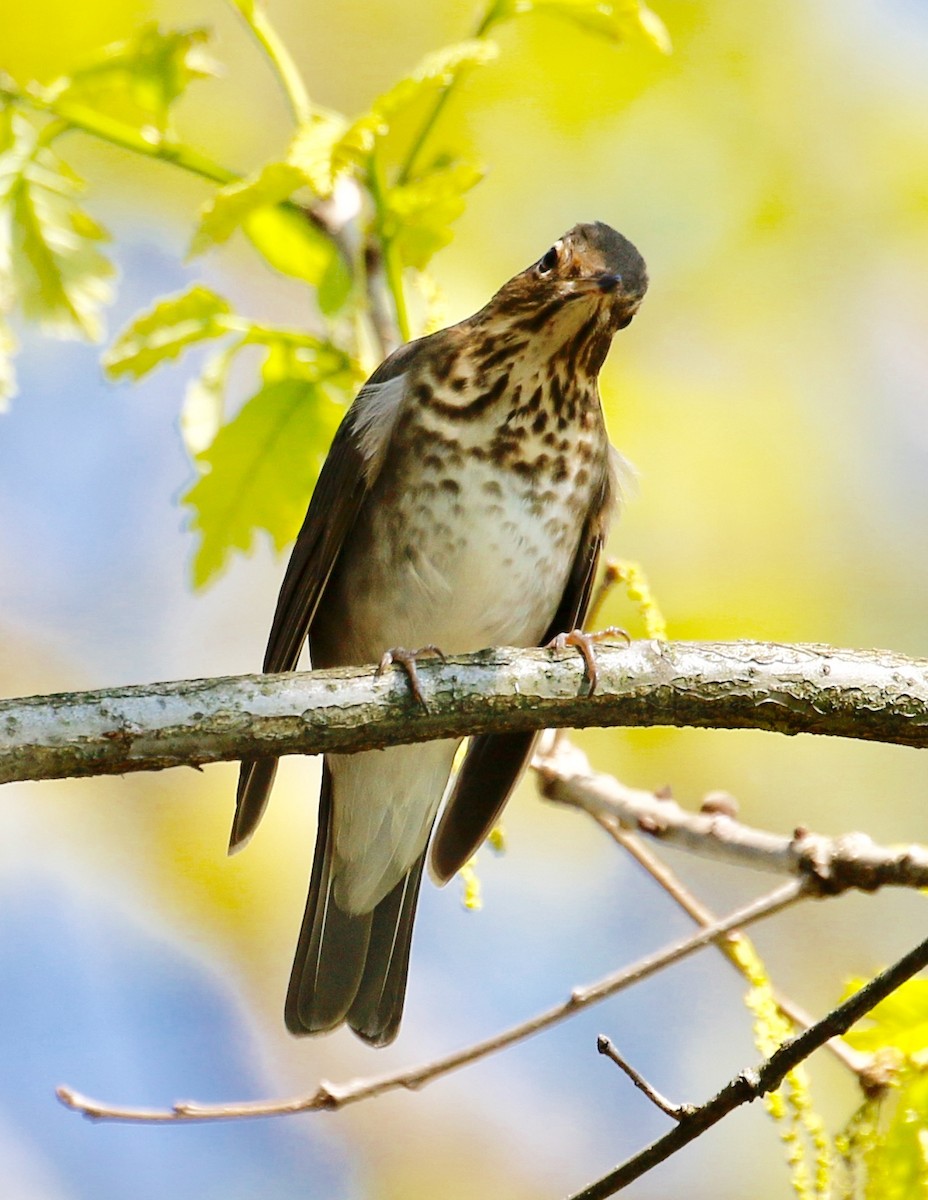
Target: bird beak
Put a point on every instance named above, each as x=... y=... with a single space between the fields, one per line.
x=609 y=283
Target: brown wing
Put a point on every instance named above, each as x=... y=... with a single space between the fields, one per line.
x=494 y=762
x=345 y=480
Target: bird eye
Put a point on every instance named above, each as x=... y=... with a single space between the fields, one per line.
x=549 y=262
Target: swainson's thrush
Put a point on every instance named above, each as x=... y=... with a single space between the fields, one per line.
x=464 y=502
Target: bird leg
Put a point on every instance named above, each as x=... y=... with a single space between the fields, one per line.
x=585 y=642
x=407 y=660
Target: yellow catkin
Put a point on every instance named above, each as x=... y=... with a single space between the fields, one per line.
x=639 y=592
x=800 y=1127
x=470 y=896
x=496 y=839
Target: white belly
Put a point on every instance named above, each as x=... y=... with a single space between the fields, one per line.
x=463 y=571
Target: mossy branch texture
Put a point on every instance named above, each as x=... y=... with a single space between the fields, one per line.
x=866 y=694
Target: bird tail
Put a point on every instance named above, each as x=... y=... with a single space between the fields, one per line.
x=350 y=966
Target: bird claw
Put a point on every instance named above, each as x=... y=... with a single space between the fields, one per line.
x=407 y=660
x=585 y=642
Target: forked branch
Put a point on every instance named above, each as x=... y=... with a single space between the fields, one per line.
x=691 y=1121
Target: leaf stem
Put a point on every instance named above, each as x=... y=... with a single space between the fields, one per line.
x=483 y=27
x=273 y=46
x=118 y=133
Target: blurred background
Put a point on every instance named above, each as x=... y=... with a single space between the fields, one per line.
x=772 y=396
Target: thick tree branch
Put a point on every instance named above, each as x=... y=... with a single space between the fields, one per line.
x=874 y=695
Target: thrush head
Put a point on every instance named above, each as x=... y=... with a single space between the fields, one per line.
x=583 y=289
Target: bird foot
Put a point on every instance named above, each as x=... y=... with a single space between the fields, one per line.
x=585 y=642
x=407 y=660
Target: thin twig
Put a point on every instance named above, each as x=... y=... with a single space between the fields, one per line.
x=870 y=1073
x=117 y=133
x=752 y=1083
x=383 y=322
x=675 y=1111
x=330 y=1096
x=387 y=258
x=836 y=863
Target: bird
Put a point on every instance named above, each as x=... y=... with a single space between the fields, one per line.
x=463 y=504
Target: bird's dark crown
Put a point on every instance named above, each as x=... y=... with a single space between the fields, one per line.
x=596 y=253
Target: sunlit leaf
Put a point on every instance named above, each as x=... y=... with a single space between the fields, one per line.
x=896 y=1159
x=260 y=471
x=612 y=19
x=6 y=127
x=900 y=1021
x=288 y=355
x=654 y=29
x=292 y=244
x=165 y=330
x=141 y=77
x=436 y=70
x=233 y=204
x=421 y=212
x=202 y=409
x=48 y=244
x=300 y=356
x=312 y=148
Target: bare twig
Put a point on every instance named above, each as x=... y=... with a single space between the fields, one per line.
x=862 y=1065
x=569 y=763
x=381 y=315
x=816 y=689
x=852 y=860
x=751 y=1084
x=675 y=1111
x=330 y=1096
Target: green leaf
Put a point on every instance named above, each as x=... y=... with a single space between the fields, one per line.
x=293 y=355
x=6 y=126
x=615 y=20
x=312 y=148
x=435 y=71
x=289 y=355
x=292 y=244
x=419 y=214
x=260 y=471
x=896 y=1160
x=900 y=1021
x=140 y=78
x=49 y=256
x=165 y=330
x=201 y=412
x=282 y=233
x=233 y=204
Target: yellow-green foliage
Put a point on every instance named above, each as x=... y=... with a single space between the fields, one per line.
x=885 y=1144
x=410 y=184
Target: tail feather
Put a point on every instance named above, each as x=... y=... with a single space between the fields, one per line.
x=377 y=1009
x=350 y=967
